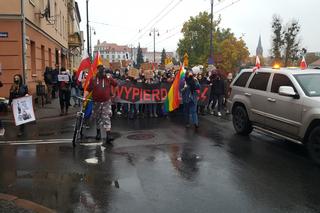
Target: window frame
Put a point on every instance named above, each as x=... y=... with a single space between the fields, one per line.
x=253 y=77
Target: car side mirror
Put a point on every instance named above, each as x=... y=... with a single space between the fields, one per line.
x=288 y=91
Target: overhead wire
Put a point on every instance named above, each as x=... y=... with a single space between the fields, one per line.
x=168 y=5
x=227 y=6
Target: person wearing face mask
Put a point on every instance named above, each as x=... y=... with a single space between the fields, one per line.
x=18 y=90
x=101 y=87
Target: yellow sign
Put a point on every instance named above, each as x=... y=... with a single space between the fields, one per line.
x=185 y=60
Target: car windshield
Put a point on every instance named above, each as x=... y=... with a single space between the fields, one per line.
x=309 y=83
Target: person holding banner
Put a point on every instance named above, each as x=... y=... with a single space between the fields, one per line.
x=18 y=90
x=64 y=91
x=101 y=88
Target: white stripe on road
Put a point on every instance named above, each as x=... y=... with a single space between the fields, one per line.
x=34 y=142
x=49 y=141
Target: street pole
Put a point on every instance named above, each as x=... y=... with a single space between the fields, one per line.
x=154 y=43
x=88 y=45
x=89 y=41
x=24 y=50
x=211 y=35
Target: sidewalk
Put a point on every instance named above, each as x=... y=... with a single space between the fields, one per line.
x=10 y=203
x=48 y=111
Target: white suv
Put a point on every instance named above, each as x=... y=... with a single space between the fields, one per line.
x=283 y=102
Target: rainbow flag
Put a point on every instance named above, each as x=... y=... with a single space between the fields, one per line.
x=172 y=101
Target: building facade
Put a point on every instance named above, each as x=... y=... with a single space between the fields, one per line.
x=75 y=35
x=113 y=52
x=34 y=34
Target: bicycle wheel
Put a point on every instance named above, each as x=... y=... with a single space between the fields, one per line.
x=77 y=130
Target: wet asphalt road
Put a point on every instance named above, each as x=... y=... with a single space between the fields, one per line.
x=157 y=165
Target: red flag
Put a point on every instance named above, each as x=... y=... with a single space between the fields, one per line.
x=258 y=65
x=84 y=64
x=303 y=64
x=96 y=62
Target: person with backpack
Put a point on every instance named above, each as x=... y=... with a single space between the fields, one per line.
x=48 y=80
x=64 y=92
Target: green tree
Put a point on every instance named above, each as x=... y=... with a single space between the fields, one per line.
x=291 y=43
x=139 y=57
x=285 y=43
x=196 y=42
x=163 y=56
x=277 y=39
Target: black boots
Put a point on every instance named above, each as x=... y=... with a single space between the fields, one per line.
x=98 y=136
x=108 y=140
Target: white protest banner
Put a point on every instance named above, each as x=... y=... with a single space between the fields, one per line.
x=23 y=110
x=63 y=78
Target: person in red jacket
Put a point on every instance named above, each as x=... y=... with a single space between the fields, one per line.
x=100 y=86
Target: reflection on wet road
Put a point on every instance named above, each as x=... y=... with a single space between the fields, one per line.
x=159 y=166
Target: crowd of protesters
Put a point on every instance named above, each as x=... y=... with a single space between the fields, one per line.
x=71 y=88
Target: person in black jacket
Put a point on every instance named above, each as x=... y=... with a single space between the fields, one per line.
x=48 y=80
x=18 y=90
x=217 y=92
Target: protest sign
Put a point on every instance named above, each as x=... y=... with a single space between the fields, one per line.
x=63 y=78
x=23 y=110
x=148 y=74
x=146 y=66
x=134 y=73
x=115 y=65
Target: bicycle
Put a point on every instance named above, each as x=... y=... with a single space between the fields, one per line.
x=79 y=122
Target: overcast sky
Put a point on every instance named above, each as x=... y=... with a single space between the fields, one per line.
x=123 y=19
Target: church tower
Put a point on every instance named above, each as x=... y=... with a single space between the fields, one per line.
x=259 y=51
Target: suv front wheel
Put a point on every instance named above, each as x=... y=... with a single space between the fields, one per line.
x=313 y=144
x=241 y=122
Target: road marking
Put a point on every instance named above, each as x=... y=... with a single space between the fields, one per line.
x=48 y=141
x=35 y=142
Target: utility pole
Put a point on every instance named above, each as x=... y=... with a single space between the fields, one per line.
x=88 y=41
x=154 y=43
x=211 y=61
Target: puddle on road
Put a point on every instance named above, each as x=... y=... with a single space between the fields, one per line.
x=92 y=160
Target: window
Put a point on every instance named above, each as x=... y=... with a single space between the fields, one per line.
x=278 y=81
x=33 y=57
x=43 y=62
x=309 y=83
x=260 y=81
x=50 y=57
x=242 y=80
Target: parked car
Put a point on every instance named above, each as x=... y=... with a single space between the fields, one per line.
x=283 y=102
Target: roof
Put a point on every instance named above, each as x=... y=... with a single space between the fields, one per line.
x=315 y=64
x=112 y=47
x=293 y=70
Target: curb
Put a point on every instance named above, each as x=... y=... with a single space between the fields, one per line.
x=26 y=204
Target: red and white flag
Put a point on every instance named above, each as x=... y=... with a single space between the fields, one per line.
x=84 y=64
x=258 y=65
x=303 y=64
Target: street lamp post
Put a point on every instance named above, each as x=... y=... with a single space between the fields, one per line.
x=88 y=41
x=154 y=43
x=211 y=61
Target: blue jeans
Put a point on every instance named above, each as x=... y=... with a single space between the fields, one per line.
x=190 y=110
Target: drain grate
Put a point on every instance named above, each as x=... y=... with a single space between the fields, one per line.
x=141 y=136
